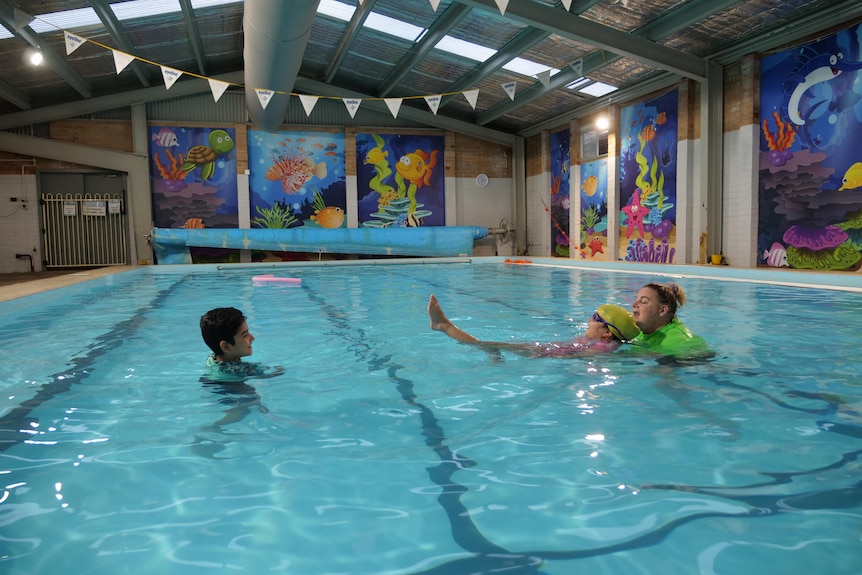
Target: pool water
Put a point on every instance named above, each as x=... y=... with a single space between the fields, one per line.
x=387 y=448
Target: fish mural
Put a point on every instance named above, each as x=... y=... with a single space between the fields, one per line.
x=297 y=179
x=165 y=138
x=293 y=169
x=193 y=177
x=404 y=185
x=852 y=178
x=417 y=167
x=776 y=256
x=810 y=175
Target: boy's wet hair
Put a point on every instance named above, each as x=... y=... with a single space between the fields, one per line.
x=220 y=324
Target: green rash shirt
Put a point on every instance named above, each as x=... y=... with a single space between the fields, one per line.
x=673 y=339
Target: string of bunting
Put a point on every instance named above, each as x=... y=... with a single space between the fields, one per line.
x=265 y=95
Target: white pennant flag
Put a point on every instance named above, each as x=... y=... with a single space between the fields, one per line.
x=308 y=102
x=578 y=67
x=433 y=102
x=502 y=5
x=434 y=4
x=22 y=19
x=567 y=4
x=472 y=97
x=510 y=89
x=121 y=60
x=264 y=96
x=217 y=87
x=170 y=75
x=544 y=78
x=73 y=42
x=352 y=105
x=394 y=104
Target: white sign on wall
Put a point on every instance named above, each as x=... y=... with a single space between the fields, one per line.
x=93 y=208
x=70 y=209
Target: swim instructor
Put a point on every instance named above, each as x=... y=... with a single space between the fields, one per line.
x=654 y=311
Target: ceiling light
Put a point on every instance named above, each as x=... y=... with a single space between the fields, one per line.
x=603 y=123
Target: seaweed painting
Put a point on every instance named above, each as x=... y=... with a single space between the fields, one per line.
x=400 y=180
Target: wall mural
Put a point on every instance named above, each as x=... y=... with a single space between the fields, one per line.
x=193 y=177
x=400 y=180
x=297 y=179
x=810 y=196
x=560 y=199
x=594 y=210
x=648 y=180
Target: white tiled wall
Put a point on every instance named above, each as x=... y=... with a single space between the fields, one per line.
x=19 y=225
x=740 y=211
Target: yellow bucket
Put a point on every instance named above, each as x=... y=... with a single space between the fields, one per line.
x=716 y=259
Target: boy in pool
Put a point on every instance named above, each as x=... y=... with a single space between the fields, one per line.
x=225 y=331
x=609 y=327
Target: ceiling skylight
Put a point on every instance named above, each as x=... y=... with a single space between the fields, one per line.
x=598 y=89
x=337 y=10
x=393 y=27
x=578 y=83
x=528 y=68
x=464 y=48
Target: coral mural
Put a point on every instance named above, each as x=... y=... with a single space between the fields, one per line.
x=648 y=180
x=560 y=201
x=297 y=179
x=400 y=180
x=594 y=210
x=810 y=196
x=193 y=177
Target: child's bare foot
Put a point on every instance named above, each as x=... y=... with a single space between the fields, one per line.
x=439 y=321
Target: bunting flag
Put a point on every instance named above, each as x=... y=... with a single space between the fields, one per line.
x=22 y=19
x=510 y=89
x=502 y=5
x=308 y=103
x=217 y=87
x=121 y=60
x=264 y=96
x=394 y=104
x=472 y=97
x=170 y=75
x=578 y=67
x=433 y=102
x=544 y=78
x=73 y=42
x=567 y=4
x=434 y=4
x=352 y=105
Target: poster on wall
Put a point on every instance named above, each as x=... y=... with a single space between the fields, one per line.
x=648 y=161
x=810 y=185
x=297 y=179
x=560 y=163
x=594 y=210
x=400 y=180
x=193 y=177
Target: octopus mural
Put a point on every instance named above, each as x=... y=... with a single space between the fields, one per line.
x=810 y=189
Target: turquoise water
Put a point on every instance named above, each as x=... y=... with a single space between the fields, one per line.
x=387 y=448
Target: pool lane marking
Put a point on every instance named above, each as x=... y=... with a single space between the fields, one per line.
x=18 y=418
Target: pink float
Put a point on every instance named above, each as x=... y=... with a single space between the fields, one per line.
x=270 y=278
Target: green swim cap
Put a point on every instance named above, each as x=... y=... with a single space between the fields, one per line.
x=619 y=320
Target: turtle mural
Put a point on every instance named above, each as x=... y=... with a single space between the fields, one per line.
x=204 y=157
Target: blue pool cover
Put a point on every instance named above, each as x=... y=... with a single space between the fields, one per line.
x=171 y=245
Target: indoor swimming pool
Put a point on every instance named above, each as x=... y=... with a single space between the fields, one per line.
x=386 y=448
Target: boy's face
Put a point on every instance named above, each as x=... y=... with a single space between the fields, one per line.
x=241 y=346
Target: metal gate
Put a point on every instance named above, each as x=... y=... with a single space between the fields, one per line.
x=83 y=230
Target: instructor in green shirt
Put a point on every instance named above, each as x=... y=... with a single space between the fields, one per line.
x=654 y=311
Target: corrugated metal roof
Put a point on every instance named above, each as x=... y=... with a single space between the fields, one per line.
x=540 y=31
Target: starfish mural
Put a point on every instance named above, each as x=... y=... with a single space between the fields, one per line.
x=636 y=213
